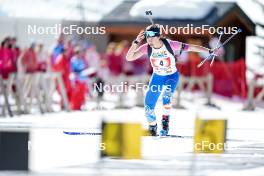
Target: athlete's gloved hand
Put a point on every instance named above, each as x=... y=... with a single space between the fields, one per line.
x=140 y=36
x=213 y=52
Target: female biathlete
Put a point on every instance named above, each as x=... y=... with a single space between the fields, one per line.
x=165 y=76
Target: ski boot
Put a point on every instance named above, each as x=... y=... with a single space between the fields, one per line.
x=165 y=125
x=153 y=130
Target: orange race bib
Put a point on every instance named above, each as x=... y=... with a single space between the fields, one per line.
x=161 y=62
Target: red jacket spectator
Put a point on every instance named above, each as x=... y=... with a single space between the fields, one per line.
x=29 y=60
x=7 y=62
x=62 y=65
x=114 y=57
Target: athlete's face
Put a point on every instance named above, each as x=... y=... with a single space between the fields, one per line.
x=153 y=41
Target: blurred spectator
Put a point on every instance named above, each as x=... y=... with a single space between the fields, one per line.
x=104 y=71
x=58 y=49
x=15 y=49
x=194 y=60
x=7 y=57
x=96 y=74
x=62 y=65
x=118 y=62
x=78 y=65
x=116 y=53
x=70 y=48
x=79 y=79
x=42 y=57
x=76 y=90
x=93 y=58
x=114 y=61
x=127 y=67
x=28 y=62
x=109 y=54
x=101 y=78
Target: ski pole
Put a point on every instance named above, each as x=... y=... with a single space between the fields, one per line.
x=149 y=13
x=218 y=46
x=218 y=43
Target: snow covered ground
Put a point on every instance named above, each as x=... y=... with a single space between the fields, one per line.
x=54 y=153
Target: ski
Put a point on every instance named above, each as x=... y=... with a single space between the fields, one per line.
x=99 y=133
x=81 y=133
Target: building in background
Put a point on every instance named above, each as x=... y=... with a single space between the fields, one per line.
x=130 y=17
